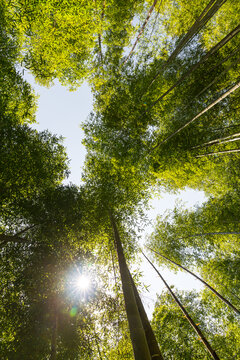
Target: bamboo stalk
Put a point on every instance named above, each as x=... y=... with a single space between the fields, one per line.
x=191 y=322
x=203 y=18
x=141 y=30
x=204 y=282
x=151 y=339
x=233 y=137
x=219 y=153
x=227 y=93
x=195 y=66
x=137 y=334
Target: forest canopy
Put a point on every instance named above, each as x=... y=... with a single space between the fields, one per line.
x=165 y=82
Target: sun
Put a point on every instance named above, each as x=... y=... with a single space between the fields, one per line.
x=83 y=282
x=79 y=284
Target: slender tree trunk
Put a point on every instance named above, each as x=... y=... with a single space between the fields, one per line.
x=222 y=142
x=138 y=338
x=141 y=30
x=192 y=323
x=26 y=229
x=234 y=63
x=53 y=355
x=204 y=58
x=11 y=238
x=227 y=93
x=204 y=282
x=151 y=339
x=204 y=17
x=226 y=127
x=219 y=153
x=233 y=137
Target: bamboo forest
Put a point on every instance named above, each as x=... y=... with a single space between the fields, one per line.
x=164 y=77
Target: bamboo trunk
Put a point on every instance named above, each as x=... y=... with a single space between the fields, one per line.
x=233 y=137
x=151 y=339
x=203 y=60
x=204 y=17
x=192 y=323
x=204 y=282
x=141 y=30
x=219 y=153
x=26 y=229
x=137 y=334
x=227 y=93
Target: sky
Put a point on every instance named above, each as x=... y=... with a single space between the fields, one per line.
x=62 y=112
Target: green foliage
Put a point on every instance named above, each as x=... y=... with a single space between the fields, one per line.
x=176 y=18
x=60 y=40
x=30 y=162
x=17 y=100
x=134 y=121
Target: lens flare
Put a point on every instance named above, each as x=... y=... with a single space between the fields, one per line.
x=83 y=282
x=73 y=311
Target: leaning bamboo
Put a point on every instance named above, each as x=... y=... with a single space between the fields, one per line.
x=203 y=18
x=197 y=277
x=227 y=93
x=219 y=153
x=207 y=345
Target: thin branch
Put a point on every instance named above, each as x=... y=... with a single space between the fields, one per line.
x=227 y=93
x=233 y=137
x=219 y=153
x=197 y=277
x=26 y=229
x=141 y=30
x=226 y=127
x=221 y=142
x=204 y=17
x=194 y=67
x=192 y=323
x=214 y=233
x=12 y=238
